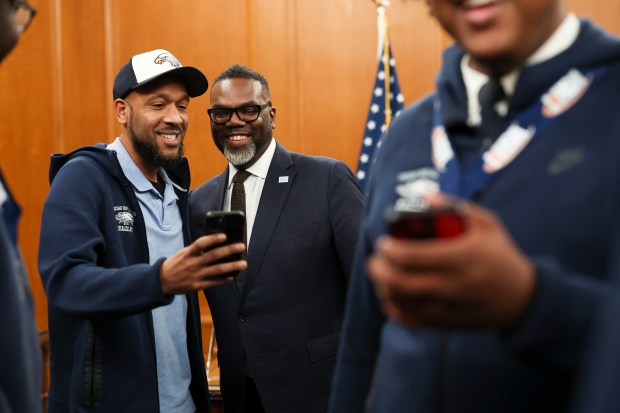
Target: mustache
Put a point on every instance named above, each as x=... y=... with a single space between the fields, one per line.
x=229 y=131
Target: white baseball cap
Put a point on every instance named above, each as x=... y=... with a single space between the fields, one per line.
x=146 y=67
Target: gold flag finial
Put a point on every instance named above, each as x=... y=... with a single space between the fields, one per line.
x=383 y=52
x=381 y=3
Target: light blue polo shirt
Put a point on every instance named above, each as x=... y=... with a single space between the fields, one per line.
x=164 y=232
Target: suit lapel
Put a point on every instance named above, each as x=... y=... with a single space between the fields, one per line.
x=221 y=182
x=270 y=208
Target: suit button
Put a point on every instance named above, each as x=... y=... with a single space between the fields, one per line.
x=241 y=317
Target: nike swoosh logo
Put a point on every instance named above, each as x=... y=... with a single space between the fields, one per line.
x=565 y=160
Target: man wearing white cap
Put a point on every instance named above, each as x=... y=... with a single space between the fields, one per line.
x=114 y=257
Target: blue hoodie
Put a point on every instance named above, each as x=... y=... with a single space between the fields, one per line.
x=93 y=261
x=21 y=366
x=559 y=200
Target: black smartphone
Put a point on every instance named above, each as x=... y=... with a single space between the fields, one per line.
x=231 y=223
x=432 y=223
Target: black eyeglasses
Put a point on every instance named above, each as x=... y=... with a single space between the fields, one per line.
x=24 y=14
x=248 y=113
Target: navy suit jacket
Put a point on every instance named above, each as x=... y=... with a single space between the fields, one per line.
x=286 y=320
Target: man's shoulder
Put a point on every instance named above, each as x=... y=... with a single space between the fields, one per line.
x=283 y=157
x=324 y=172
x=209 y=185
x=303 y=160
x=411 y=127
x=313 y=168
x=84 y=158
x=419 y=111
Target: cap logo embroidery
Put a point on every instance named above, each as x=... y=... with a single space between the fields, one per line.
x=148 y=66
x=167 y=57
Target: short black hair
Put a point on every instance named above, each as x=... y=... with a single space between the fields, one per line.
x=238 y=71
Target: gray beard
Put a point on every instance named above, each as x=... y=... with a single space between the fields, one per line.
x=241 y=157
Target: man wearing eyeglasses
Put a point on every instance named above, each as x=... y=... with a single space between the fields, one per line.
x=278 y=325
x=21 y=367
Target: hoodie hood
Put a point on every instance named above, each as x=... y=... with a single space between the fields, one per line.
x=107 y=160
x=534 y=80
x=98 y=152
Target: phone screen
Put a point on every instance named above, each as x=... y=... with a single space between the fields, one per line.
x=433 y=223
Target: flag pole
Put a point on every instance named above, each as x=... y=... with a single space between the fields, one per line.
x=386 y=100
x=384 y=46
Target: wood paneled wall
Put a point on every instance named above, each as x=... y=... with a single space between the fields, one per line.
x=319 y=57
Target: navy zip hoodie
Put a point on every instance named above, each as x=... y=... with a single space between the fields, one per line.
x=558 y=199
x=93 y=261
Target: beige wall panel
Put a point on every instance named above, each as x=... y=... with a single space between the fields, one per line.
x=85 y=97
x=275 y=54
x=605 y=13
x=337 y=63
x=417 y=43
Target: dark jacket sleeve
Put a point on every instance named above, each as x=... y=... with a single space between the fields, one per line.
x=359 y=345
x=20 y=353
x=88 y=267
x=551 y=333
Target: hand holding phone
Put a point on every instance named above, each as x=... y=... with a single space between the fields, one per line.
x=433 y=223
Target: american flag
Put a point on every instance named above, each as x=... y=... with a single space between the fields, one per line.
x=382 y=109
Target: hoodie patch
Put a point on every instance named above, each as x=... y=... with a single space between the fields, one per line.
x=412 y=186
x=125 y=218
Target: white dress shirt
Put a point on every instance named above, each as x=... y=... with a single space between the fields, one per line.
x=563 y=37
x=253 y=186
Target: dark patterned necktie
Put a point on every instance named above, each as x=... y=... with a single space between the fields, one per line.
x=237 y=203
x=492 y=123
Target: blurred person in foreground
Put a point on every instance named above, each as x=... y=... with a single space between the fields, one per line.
x=116 y=260
x=20 y=352
x=278 y=326
x=522 y=132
